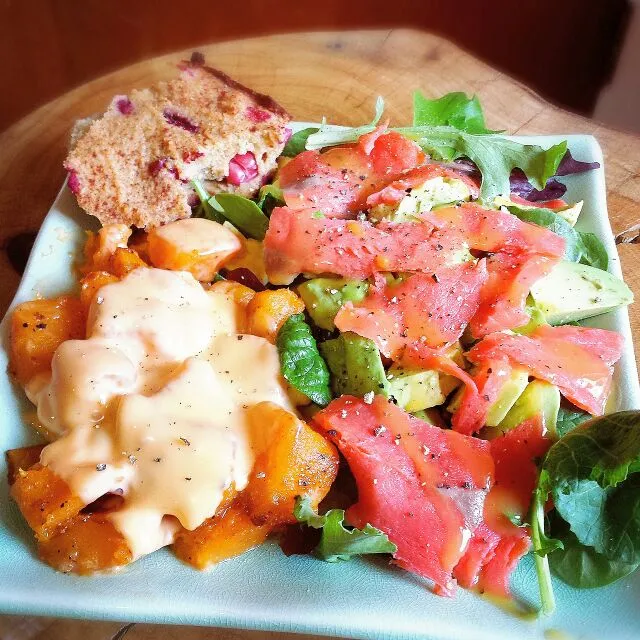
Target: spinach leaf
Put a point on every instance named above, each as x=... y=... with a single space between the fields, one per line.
x=542 y=545
x=590 y=472
x=244 y=214
x=269 y=197
x=337 y=542
x=582 y=247
x=301 y=363
x=569 y=419
x=552 y=221
x=297 y=142
x=583 y=567
x=355 y=364
x=453 y=109
x=207 y=209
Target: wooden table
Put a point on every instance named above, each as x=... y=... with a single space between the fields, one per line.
x=337 y=75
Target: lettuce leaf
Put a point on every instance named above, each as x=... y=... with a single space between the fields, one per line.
x=453 y=109
x=338 y=543
x=494 y=155
x=300 y=361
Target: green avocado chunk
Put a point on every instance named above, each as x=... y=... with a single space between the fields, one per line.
x=355 y=365
x=510 y=391
x=416 y=389
x=433 y=193
x=573 y=291
x=539 y=397
x=323 y=298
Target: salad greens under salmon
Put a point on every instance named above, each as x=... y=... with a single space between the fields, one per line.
x=442 y=280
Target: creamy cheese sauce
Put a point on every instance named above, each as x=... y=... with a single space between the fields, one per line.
x=154 y=403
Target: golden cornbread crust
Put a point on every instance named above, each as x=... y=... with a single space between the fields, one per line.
x=134 y=164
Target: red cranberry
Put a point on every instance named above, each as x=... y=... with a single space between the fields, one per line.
x=156 y=166
x=124 y=105
x=286 y=135
x=245 y=277
x=177 y=120
x=242 y=168
x=257 y=115
x=73 y=182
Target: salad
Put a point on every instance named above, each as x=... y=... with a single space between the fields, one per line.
x=378 y=352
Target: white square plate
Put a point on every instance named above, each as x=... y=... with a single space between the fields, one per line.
x=263 y=589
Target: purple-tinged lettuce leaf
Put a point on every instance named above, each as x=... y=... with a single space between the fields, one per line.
x=569 y=165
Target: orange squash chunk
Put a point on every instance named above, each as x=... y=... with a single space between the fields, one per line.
x=21 y=459
x=100 y=246
x=87 y=543
x=295 y=460
x=45 y=500
x=123 y=261
x=92 y=283
x=269 y=310
x=196 y=245
x=224 y=536
x=37 y=329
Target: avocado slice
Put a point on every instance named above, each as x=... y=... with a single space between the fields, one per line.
x=355 y=365
x=323 y=298
x=431 y=416
x=573 y=291
x=415 y=389
x=539 y=397
x=510 y=391
x=432 y=193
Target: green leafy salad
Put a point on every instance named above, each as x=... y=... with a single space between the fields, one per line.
x=443 y=348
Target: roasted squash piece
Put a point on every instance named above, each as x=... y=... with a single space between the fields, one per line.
x=196 y=245
x=294 y=460
x=224 y=536
x=123 y=261
x=269 y=310
x=241 y=297
x=21 y=459
x=45 y=500
x=100 y=246
x=92 y=283
x=84 y=545
x=37 y=329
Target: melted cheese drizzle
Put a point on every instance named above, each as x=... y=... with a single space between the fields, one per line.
x=153 y=404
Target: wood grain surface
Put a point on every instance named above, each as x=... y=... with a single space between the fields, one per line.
x=337 y=75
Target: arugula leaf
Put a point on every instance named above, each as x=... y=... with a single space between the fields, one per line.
x=453 y=109
x=244 y=214
x=355 y=364
x=297 y=142
x=583 y=567
x=338 y=543
x=494 y=155
x=301 y=363
x=585 y=248
x=568 y=420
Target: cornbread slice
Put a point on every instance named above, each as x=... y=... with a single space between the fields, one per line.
x=135 y=163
